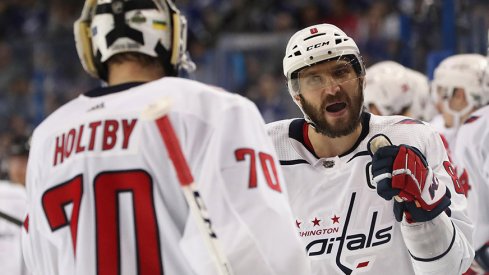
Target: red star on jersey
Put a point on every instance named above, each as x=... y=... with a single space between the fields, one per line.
x=298 y=223
x=335 y=219
x=316 y=221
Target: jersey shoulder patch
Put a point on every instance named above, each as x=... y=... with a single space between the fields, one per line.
x=409 y=121
x=471 y=119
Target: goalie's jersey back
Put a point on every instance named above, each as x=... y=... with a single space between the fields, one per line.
x=103 y=196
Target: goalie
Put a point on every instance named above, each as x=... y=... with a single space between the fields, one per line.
x=103 y=196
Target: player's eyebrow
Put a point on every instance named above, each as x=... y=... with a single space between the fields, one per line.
x=315 y=69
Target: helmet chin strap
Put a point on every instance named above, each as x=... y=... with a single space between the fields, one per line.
x=457 y=115
x=306 y=117
x=309 y=121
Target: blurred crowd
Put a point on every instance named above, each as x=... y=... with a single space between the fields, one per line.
x=237 y=44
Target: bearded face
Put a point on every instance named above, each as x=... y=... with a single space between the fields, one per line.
x=337 y=114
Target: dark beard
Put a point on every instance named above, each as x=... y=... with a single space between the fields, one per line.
x=322 y=126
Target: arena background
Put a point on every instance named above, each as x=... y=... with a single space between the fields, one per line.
x=236 y=44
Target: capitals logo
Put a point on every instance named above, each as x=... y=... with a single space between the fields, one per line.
x=335 y=239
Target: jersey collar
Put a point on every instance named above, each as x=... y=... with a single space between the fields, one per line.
x=101 y=91
x=298 y=130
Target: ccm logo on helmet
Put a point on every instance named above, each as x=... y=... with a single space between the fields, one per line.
x=315 y=46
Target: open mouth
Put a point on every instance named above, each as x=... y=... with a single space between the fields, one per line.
x=336 y=107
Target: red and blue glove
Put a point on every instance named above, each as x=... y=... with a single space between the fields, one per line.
x=402 y=172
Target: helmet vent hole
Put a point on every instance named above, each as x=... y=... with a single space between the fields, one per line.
x=312 y=36
x=297 y=53
x=329 y=52
x=338 y=41
x=310 y=57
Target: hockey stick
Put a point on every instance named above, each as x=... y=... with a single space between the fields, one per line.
x=11 y=219
x=158 y=112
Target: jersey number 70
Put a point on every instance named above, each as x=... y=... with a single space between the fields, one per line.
x=267 y=163
x=107 y=187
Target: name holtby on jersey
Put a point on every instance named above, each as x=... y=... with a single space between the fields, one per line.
x=104 y=135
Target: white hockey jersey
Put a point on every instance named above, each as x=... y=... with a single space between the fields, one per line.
x=12 y=210
x=471 y=152
x=103 y=197
x=450 y=134
x=345 y=226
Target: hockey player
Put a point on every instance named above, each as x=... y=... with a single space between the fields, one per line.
x=457 y=92
x=103 y=195
x=398 y=212
x=392 y=89
x=12 y=208
x=471 y=152
x=422 y=107
x=388 y=89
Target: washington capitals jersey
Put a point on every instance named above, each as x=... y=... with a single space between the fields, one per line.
x=344 y=225
x=450 y=134
x=472 y=151
x=104 y=198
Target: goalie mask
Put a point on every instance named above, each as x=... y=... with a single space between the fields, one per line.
x=151 y=27
x=316 y=44
x=388 y=88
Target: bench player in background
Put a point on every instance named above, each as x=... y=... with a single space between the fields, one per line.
x=103 y=196
x=471 y=152
x=393 y=89
x=422 y=107
x=401 y=211
x=12 y=207
x=388 y=90
x=457 y=91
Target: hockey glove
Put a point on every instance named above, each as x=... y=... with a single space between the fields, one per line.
x=403 y=172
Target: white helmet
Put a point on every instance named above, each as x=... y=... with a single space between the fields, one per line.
x=315 y=44
x=465 y=71
x=388 y=88
x=422 y=107
x=152 y=27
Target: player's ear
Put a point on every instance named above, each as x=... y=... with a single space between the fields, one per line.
x=362 y=83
